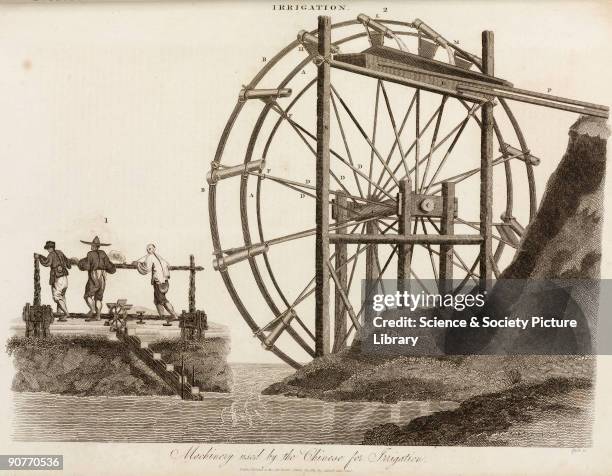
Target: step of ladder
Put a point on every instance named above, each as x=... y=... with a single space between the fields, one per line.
x=180 y=383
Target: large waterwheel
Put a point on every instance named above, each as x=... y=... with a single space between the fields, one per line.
x=366 y=149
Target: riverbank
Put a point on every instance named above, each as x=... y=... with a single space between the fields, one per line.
x=503 y=400
x=89 y=365
x=556 y=412
x=349 y=376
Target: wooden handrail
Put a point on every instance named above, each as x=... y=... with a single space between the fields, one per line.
x=192 y=268
x=171 y=268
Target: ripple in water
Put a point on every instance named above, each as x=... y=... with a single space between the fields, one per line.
x=242 y=416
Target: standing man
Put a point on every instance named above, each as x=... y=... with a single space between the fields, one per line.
x=97 y=264
x=160 y=275
x=58 y=276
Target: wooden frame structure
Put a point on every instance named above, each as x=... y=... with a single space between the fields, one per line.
x=484 y=93
x=463 y=77
x=446 y=239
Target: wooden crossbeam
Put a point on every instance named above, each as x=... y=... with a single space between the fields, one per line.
x=404 y=239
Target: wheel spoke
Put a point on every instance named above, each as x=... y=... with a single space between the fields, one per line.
x=304 y=294
x=374 y=125
x=459 y=264
x=380 y=272
x=301 y=297
x=312 y=231
x=290 y=237
x=429 y=122
x=464 y=222
x=364 y=134
x=465 y=175
x=396 y=141
x=462 y=264
x=354 y=267
x=435 y=227
x=277 y=108
x=343 y=295
x=366 y=246
x=418 y=280
x=346 y=146
x=395 y=131
x=441 y=142
x=377 y=280
x=384 y=268
x=467 y=276
x=451 y=147
x=300 y=187
x=300 y=130
x=433 y=142
x=494 y=266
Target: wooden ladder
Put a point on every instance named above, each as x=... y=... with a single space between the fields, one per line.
x=153 y=360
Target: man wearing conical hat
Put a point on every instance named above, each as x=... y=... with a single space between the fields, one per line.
x=97 y=264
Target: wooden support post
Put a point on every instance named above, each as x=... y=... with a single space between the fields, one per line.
x=341 y=216
x=371 y=254
x=486 y=168
x=36 y=300
x=404 y=252
x=192 y=272
x=182 y=377
x=322 y=331
x=447 y=227
x=371 y=273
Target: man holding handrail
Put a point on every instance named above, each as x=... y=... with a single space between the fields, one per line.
x=97 y=264
x=58 y=276
x=153 y=263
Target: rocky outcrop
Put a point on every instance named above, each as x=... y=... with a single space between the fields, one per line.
x=94 y=365
x=562 y=243
x=564 y=239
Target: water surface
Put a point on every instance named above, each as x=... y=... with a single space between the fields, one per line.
x=242 y=416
